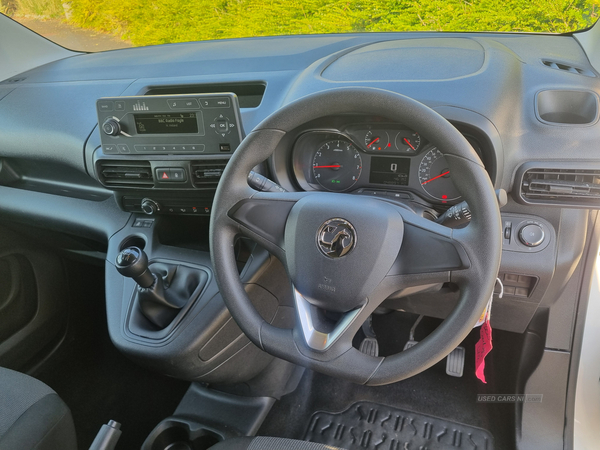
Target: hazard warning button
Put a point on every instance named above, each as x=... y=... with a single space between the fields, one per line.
x=163 y=174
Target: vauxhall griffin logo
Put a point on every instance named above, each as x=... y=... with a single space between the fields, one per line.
x=336 y=238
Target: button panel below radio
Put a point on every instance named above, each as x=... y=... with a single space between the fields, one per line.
x=169 y=206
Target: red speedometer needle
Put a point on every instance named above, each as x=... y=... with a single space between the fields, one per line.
x=327 y=167
x=374 y=140
x=435 y=178
x=410 y=145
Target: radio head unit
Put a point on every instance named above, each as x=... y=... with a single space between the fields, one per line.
x=170 y=124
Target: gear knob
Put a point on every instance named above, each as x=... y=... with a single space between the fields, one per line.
x=132 y=262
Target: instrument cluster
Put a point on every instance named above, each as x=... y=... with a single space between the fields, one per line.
x=386 y=156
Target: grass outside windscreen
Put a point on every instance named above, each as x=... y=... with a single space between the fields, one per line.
x=146 y=22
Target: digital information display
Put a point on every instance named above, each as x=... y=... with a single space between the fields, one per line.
x=169 y=123
x=391 y=171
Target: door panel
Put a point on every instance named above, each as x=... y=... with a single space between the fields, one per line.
x=33 y=301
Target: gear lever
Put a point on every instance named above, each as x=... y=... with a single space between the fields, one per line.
x=133 y=263
x=163 y=293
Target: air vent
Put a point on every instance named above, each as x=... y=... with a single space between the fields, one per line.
x=206 y=174
x=125 y=173
x=565 y=187
x=567 y=68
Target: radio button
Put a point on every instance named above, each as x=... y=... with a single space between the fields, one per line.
x=111 y=126
x=183 y=103
x=120 y=106
x=222 y=126
x=123 y=148
x=215 y=102
x=110 y=149
x=105 y=106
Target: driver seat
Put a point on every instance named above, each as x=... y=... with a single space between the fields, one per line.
x=32 y=416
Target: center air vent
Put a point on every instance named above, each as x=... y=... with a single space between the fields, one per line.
x=206 y=174
x=125 y=174
x=564 y=187
x=567 y=68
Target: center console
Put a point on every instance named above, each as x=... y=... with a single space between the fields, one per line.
x=164 y=154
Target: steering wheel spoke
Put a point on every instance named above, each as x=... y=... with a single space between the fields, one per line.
x=319 y=331
x=430 y=253
x=262 y=217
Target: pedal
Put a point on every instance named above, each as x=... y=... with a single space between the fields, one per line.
x=455 y=362
x=370 y=346
x=410 y=344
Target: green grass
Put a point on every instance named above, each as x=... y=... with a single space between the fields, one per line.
x=147 y=22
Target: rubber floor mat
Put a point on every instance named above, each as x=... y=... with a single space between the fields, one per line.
x=369 y=426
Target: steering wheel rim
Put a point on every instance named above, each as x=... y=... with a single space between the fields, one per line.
x=475 y=251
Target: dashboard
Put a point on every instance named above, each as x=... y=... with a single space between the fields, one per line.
x=61 y=168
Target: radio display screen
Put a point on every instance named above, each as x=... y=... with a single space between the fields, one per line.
x=391 y=171
x=168 y=123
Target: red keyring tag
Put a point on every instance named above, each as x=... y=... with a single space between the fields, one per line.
x=482 y=348
x=484 y=345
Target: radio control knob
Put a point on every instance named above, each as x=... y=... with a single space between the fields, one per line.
x=149 y=206
x=112 y=127
x=531 y=235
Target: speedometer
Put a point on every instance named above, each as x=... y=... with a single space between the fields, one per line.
x=435 y=177
x=337 y=165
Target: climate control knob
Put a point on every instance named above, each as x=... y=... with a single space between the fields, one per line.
x=531 y=235
x=111 y=126
x=149 y=206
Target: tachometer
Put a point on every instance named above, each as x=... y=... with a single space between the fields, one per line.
x=337 y=165
x=435 y=177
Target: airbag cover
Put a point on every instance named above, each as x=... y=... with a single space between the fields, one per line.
x=341 y=283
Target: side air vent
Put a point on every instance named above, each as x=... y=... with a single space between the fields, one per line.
x=567 y=68
x=206 y=174
x=564 y=187
x=126 y=174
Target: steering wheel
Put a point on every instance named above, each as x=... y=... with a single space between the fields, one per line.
x=345 y=254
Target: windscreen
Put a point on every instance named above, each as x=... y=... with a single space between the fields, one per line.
x=91 y=25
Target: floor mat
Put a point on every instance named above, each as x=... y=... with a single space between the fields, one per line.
x=370 y=426
x=431 y=393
